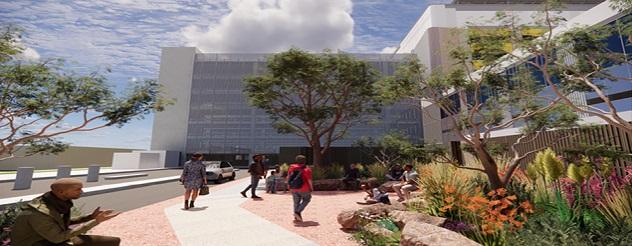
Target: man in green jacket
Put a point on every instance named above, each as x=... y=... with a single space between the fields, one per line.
x=46 y=219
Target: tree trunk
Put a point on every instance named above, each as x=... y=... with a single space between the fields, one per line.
x=491 y=169
x=317 y=156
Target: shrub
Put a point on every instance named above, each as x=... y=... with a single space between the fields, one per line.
x=7 y=219
x=617 y=206
x=283 y=168
x=335 y=171
x=318 y=173
x=378 y=171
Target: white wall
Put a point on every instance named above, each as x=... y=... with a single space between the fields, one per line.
x=135 y=160
x=176 y=73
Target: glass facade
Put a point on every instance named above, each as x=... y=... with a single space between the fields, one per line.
x=221 y=121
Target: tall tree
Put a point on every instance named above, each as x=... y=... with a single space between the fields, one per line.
x=40 y=101
x=316 y=96
x=478 y=98
x=581 y=60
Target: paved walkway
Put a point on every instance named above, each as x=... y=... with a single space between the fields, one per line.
x=221 y=221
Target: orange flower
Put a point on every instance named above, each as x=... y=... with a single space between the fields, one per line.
x=501 y=191
x=478 y=199
x=491 y=193
x=445 y=208
x=449 y=199
x=512 y=197
x=449 y=189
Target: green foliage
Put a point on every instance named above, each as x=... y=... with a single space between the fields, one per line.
x=369 y=239
x=335 y=171
x=284 y=168
x=7 y=219
x=37 y=98
x=317 y=96
x=378 y=171
x=617 y=206
x=319 y=172
x=395 y=148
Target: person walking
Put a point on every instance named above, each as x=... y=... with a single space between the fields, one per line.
x=193 y=176
x=301 y=185
x=256 y=170
x=46 y=219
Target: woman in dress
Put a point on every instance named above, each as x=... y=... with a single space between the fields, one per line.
x=193 y=176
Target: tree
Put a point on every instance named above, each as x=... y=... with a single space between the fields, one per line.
x=592 y=61
x=316 y=96
x=39 y=99
x=392 y=148
x=477 y=97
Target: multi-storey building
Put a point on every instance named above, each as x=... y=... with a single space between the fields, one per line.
x=211 y=114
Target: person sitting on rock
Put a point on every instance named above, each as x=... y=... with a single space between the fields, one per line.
x=395 y=173
x=352 y=177
x=375 y=195
x=408 y=184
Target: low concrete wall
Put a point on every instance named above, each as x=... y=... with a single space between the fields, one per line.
x=136 y=160
x=74 y=156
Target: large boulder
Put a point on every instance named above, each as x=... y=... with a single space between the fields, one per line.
x=349 y=219
x=327 y=184
x=417 y=233
x=380 y=210
x=375 y=229
x=402 y=218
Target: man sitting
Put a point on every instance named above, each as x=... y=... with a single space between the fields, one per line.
x=46 y=219
x=352 y=177
x=395 y=173
x=408 y=184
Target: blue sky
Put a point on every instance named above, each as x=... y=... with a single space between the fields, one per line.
x=126 y=35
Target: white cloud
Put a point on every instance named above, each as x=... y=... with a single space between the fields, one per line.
x=275 y=25
x=389 y=50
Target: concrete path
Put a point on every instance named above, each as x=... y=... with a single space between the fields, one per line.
x=218 y=219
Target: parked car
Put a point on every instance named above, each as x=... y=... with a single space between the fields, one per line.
x=219 y=170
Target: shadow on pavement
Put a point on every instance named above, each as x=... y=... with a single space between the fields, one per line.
x=306 y=224
x=195 y=209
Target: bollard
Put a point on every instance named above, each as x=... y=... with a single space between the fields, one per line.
x=63 y=172
x=23 y=178
x=93 y=173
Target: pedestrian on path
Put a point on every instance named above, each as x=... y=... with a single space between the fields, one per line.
x=46 y=219
x=256 y=170
x=193 y=176
x=300 y=183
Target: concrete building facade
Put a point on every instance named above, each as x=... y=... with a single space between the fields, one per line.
x=212 y=116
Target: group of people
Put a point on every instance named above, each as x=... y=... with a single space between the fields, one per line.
x=46 y=220
x=299 y=180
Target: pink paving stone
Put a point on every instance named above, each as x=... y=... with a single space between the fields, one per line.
x=319 y=216
x=146 y=225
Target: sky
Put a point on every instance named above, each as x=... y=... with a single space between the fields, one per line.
x=126 y=36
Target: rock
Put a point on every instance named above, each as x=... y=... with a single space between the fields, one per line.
x=388 y=186
x=417 y=233
x=402 y=218
x=375 y=229
x=327 y=184
x=349 y=219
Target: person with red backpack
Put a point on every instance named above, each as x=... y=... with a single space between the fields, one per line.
x=299 y=180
